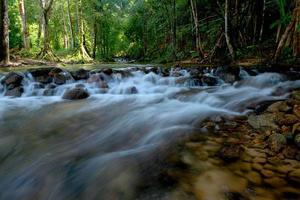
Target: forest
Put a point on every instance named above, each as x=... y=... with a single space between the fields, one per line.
x=148 y=30
x=149 y=99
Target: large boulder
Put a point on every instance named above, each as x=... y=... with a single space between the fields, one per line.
x=80 y=74
x=276 y=142
x=76 y=94
x=41 y=75
x=228 y=74
x=12 y=78
x=14 y=92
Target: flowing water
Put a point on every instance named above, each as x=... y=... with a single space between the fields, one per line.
x=108 y=146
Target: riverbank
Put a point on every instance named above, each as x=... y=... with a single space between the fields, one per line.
x=251 y=157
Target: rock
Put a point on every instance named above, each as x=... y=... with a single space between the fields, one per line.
x=55 y=71
x=102 y=85
x=107 y=71
x=259 y=160
x=40 y=72
x=255 y=153
x=296 y=110
x=284 y=169
x=231 y=153
x=76 y=94
x=48 y=92
x=290 y=152
x=286 y=119
x=262 y=121
x=275 y=182
x=267 y=173
x=254 y=178
x=296 y=129
x=132 y=90
x=228 y=74
x=209 y=80
x=43 y=79
x=95 y=78
x=280 y=106
x=80 y=74
x=257 y=166
x=295 y=95
x=15 y=92
x=295 y=175
x=59 y=79
x=276 y=142
x=297 y=140
x=12 y=78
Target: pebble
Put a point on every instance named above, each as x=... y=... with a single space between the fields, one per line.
x=257 y=166
x=254 y=178
x=267 y=173
x=275 y=182
x=259 y=160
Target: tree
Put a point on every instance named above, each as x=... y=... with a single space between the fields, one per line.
x=25 y=33
x=291 y=36
x=227 y=31
x=196 y=27
x=4 y=32
x=46 y=51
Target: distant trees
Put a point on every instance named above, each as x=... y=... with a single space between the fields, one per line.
x=164 y=31
x=25 y=32
x=4 y=32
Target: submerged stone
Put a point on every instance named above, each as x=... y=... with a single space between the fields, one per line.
x=76 y=94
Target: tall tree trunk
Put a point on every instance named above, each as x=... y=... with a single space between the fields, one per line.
x=46 y=51
x=83 y=50
x=66 y=37
x=95 y=39
x=4 y=32
x=262 y=21
x=227 y=32
x=72 y=40
x=291 y=36
x=196 y=26
x=174 y=30
x=296 y=36
x=25 y=32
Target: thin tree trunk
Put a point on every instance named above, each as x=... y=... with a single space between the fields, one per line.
x=72 y=40
x=66 y=37
x=25 y=33
x=4 y=32
x=296 y=37
x=283 y=40
x=227 y=34
x=262 y=21
x=196 y=24
x=174 y=30
x=83 y=50
x=46 y=51
x=95 y=39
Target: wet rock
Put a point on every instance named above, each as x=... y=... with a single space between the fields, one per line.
x=81 y=74
x=295 y=175
x=131 y=90
x=280 y=106
x=76 y=94
x=49 y=92
x=259 y=160
x=228 y=74
x=55 y=71
x=209 y=80
x=290 y=152
x=108 y=71
x=267 y=173
x=297 y=140
x=40 y=72
x=15 y=92
x=286 y=119
x=254 y=178
x=94 y=78
x=262 y=121
x=102 y=85
x=12 y=78
x=295 y=95
x=296 y=110
x=276 y=142
x=231 y=153
x=257 y=166
x=43 y=79
x=59 y=79
x=275 y=182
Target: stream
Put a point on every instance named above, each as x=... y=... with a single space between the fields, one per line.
x=112 y=144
